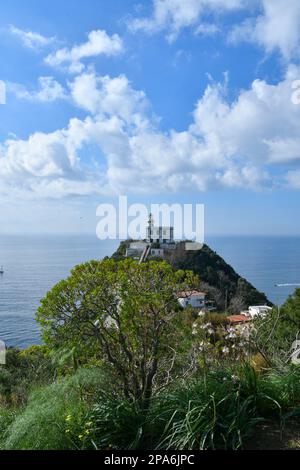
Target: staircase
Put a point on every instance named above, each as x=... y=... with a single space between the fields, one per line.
x=145 y=254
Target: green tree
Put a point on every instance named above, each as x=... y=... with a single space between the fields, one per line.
x=127 y=312
x=274 y=334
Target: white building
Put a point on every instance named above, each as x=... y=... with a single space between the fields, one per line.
x=256 y=310
x=159 y=234
x=157 y=252
x=136 y=249
x=138 y=246
x=193 y=298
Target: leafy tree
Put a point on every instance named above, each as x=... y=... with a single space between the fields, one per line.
x=274 y=334
x=127 y=312
x=23 y=369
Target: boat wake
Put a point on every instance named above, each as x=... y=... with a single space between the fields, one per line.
x=287 y=285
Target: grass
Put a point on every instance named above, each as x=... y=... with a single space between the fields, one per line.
x=206 y=413
x=42 y=424
x=218 y=410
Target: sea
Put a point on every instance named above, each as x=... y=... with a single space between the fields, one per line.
x=34 y=264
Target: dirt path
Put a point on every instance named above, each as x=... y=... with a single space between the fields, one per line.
x=269 y=436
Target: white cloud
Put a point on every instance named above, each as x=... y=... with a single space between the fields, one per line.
x=276 y=29
x=272 y=24
x=45 y=165
x=31 y=39
x=99 y=43
x=49 y=90
x=227 y=145
x=207 y=29
x=250 y=143
x=261 y=126
x=293 y=179
x=109 y=97
x=174 y=15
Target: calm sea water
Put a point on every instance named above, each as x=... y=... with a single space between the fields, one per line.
x=34 y=264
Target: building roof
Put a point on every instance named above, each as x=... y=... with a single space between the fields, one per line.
x=191 y=293
x=261 y=307
x=239 y=319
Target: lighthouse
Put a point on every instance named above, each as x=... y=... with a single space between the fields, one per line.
x=150 y=229
x=162 y=235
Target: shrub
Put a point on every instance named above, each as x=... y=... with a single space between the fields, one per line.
x=44 y=423
x=214 y=410
x=207 y=413
x=115 y=423
x=283 y=386
x=7 y=417
x=23 y=370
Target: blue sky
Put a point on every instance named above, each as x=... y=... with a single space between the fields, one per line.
x=161 y=100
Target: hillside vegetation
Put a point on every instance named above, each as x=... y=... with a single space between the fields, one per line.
x=222 y=283
x=123 y=366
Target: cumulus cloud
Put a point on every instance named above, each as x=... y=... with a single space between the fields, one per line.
x=252 y=142
x=49 y=90
x=31 y=39
x=272 y=24
x=174 y=15
x=276 y=29
x=109 y=96
x=45 y=165
x=98 y=43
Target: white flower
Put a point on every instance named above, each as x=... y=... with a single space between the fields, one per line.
x=225 y=350
x=231 y=336
x=206 y=326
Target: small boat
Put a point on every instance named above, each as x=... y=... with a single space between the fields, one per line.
x=1 y=270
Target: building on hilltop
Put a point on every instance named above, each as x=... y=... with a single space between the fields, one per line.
x=159 y=234
x=136 y=249
x=157 y=240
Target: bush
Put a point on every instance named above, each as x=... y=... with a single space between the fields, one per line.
x=7 y=417
x=52 y=410
x=219 y=411
x=24 y=370
x=283 y=386
x=116 y=424
x=274 y=393
x=215 y=410
x=207 y=413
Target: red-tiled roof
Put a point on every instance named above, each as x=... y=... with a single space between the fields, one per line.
x=191 y=293
x=239 y=319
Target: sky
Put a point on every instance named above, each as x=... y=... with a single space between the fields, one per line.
x=165 y=101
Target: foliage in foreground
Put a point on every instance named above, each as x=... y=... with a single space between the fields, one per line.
x=217 y=410
x=274 y=334
x=211 y=411
x=174 y=382
x=52 y=410
x=32 y=366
